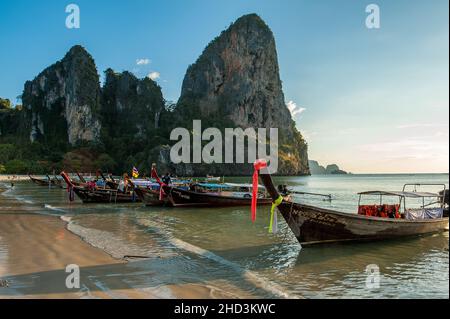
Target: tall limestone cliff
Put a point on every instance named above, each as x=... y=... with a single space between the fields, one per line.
x=234 y=83
x=130 y=105
x=60 y=104
x=131 y=111
x=236 y=80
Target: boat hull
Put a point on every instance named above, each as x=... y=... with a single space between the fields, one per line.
x=45 y=182
x=104 y=196
x=312 y=225
x=181 y=197
x=149 y=197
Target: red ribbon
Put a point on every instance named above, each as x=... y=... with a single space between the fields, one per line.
x=259 y=164
x=161 y=184
x=155 y=175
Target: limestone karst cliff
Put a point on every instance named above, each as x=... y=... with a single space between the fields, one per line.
x=61 y=102
x=234 y=83
x=317 y=169
x=236 y=80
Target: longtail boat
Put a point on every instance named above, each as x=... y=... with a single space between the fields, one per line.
x=150 y=196
x=207 y=194
x=52 y=182
x=214 y=195
x=314 y=225
x=106 y=195
x=90 y=193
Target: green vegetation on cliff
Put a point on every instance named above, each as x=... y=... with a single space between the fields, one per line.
x=68 y=121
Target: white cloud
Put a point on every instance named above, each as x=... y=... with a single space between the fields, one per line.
x=294 y=108
x=143 y=61
x=154 y=75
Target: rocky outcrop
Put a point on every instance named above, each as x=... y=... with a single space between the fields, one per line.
x=130 y=105
x=61 y=102
x=236 y=82
x=317 y=169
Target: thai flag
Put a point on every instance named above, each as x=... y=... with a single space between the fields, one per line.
x=135 y=172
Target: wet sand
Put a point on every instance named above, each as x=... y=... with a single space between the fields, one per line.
x=34 y=253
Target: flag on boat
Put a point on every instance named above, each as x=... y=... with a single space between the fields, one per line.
x=135 y=172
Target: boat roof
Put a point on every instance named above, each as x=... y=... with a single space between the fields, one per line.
x=401 y=194
x=244 y=185
x=226 y=185
x=212 y=185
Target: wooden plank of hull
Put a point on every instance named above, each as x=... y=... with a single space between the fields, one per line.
x=312 y=225
x=149 y=197
x=181 y=197
x=104 y=196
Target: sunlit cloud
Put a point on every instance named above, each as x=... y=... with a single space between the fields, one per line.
x=294 y=108
x=143 y=61
x=154 y=75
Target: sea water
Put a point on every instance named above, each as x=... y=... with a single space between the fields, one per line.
x=222 y=249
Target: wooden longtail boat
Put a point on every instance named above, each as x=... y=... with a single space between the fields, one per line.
x=52 y=182
x=313 y=225
x=150 y=197
x=106 y=195
x=93 y=194
x=111 y=183
x=204 y=194
x=182 y=197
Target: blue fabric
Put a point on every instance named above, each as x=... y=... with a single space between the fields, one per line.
x=207 y=185
x=101 y=183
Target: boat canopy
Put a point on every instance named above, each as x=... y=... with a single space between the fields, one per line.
x=401 y=194
x=227 y=185
x=244 y=185
x=212 y=185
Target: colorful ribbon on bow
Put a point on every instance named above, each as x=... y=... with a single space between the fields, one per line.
x=71 y=193
x=273 y=226
x=154 y=175
x=258 y=165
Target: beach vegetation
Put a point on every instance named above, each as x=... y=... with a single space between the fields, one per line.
x=16 y=167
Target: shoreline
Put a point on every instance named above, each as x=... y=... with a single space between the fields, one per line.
x=39 y=248
x=13 y=178
x=35 y=250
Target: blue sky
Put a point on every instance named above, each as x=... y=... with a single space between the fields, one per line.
x=370 y=100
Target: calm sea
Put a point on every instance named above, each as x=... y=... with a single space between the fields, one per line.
x=222 y=247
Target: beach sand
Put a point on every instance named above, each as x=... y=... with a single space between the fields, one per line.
x=16 y=178
x=34 y=253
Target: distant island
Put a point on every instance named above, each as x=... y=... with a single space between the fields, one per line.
x=332 y=169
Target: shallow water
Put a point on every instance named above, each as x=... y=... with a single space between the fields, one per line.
x=222 y=246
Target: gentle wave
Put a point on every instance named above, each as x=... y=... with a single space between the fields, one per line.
x=56 y=209
x=119 y=248
x=106 y=241
x=256 y=279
